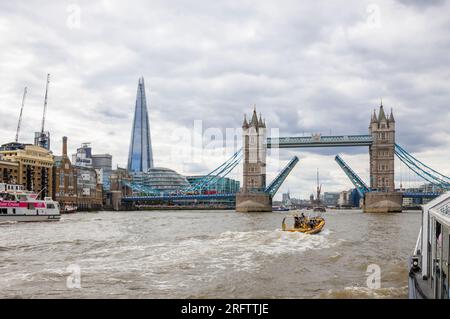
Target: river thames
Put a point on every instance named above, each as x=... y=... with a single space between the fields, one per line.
x=205 y=254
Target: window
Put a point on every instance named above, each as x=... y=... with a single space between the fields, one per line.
x=61 y=180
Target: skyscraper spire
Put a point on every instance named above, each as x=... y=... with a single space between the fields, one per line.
x=140 y=156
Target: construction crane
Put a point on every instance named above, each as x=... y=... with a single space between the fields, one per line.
x=45 y=105
x=42 y=138
x=20 y=115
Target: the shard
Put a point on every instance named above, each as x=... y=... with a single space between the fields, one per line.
x=140 y=156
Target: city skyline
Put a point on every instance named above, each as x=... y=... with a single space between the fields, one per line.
x=310 y=80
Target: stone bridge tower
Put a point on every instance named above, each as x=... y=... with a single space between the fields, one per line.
x=381 y=151
x=383 y=197
x=252 y=197
x=254 y=151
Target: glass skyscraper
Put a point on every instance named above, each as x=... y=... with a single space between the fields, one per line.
x=140 y=156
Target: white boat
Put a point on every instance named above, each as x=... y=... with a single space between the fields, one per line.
x=17 y=204
x=429 y=268
x=69 y=209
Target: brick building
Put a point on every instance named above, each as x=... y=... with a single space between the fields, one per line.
x=64 y=179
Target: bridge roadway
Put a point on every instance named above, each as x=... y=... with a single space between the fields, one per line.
x=179 y=197
x=231 y=196
x=320 y=141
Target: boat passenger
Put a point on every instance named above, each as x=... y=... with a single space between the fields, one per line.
x=296 y=222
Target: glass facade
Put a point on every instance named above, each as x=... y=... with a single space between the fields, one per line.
x=161 y=179
x=140 y=156
x=222 y=186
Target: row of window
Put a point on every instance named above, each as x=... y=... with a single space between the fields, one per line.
x=4 y=211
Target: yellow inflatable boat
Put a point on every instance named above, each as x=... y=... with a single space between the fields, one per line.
x=303 y=224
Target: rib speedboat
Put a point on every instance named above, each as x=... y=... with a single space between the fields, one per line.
x=303 y=224
x=17 y=204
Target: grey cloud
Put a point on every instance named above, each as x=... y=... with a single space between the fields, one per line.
x=308 y=67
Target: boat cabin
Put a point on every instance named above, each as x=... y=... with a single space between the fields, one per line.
x=432 y=253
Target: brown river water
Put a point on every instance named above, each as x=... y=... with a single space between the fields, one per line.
x=205 y=254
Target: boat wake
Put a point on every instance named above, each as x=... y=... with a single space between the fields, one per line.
x=366 y=293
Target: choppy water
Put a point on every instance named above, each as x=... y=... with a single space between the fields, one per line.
x=200 y=254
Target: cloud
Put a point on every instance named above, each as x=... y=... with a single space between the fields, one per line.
x=309 y=68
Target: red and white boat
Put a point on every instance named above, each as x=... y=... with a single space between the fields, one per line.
x=17 y=204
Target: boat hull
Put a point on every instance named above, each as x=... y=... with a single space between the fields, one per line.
x=69 y=211
x=317 y=229
x=29 y=218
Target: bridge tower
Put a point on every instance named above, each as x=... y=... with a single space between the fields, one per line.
x=383 y=197
x=252 y=197
x=381 y=151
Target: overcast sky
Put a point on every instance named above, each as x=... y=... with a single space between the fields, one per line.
x=316 y=66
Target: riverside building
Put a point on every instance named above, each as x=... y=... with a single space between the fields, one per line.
x=34 y=167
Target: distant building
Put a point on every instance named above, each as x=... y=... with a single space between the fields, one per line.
x=140 y=156
x=64 y=179
x=331 y=198
x=89 y=191
x=222 y=186
x=160 y=179
x=286 y=199
x=344 y=199
x=349 y=198
x=42 y=139
x=355 y=198
x=35 y=166
x=85 y=158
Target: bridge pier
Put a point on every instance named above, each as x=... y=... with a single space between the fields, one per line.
x=253 y=202
x=383 y=202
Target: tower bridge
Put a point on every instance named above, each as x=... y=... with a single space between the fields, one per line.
x=379 y=194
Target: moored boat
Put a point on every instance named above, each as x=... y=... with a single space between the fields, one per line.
x=69 y=209
x=19 y=205
x=280 y=208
